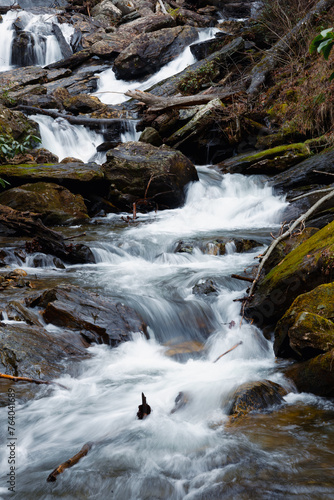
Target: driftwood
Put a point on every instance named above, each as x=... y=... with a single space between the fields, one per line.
x=28 y=379
x=232 y=349
x=144 y=409
x=74 y=120
x=44 y=239
x=260 y=72
x=283 y=236
x=157 y=103
x=70 y=462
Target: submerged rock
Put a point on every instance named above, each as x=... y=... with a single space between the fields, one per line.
x=56 y=204
x=307 y=328
x=100 y=320
x=255 y=396
x=141 y=173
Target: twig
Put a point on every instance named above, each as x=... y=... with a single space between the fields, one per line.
x=232 y=349
x=32 y=380
x=316 y=191
x=76 y=236
x=324 y=173
x=163 y=8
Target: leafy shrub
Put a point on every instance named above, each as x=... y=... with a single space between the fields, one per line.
x=9 y=147
x=323 y=44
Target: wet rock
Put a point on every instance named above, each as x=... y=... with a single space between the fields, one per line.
x=207 y=287
x=71 y=62
x=65 y=49
x=315 y=375
x=78 y=177
x=268 y=162
x=306 y=267
x=14 y=78
x=307 y=328
x=31 y=351
x=23 y=53
x=106 y=11
x=203 y=49
x=146 y=24
x=306 y=173
x=185 y=350
x=16 y=124
x=150 y=51
x=56 y=204
x=100 y=320
x=255 y=396
x=184 y=247
x=139 y=171
x=82 y=104
x=151 y=136
x=191 y=18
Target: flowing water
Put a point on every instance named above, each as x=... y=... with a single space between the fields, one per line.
x=194 y=453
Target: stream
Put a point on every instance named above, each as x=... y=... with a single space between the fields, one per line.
x=195 y=453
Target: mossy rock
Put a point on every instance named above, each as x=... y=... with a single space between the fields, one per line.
x=255 y=396
x=268 y=162
x=306 y=267
x=82 y=104
x=315 y=375
x=307 y=328
x=56 y=204
x=16 y=124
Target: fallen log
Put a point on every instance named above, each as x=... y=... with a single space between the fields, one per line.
x=70 y=462
x=243 y=278
x=274 y=55
x=74 y=120
x=44 y=239
x=32 y=380
x=157 y=103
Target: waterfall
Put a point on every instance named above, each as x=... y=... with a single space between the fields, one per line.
x=33 y=42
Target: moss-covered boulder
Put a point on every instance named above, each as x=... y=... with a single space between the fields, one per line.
x=78 y=177
x=16 y=125
x=56 y=204
x=315 y=375
x=142 y=173
x=268 y=162
x=307 y=328
x=309 y=265
x=255 y=396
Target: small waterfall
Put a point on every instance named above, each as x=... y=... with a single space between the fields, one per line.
x=66 y=140
x=27 y=39
x=111 y=91
x=130 y=133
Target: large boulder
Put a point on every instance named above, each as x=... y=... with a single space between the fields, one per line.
x=31 y=351
x=106 y=11
x=307 y=328
x=255 y=396
x=146 y=24
x=99 y=320
x=140 y=171
x=306 y=267
x=56 y=204
x=315 y=375
x=149 y=51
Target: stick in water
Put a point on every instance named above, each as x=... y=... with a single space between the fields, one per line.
x=32 y=380
x=232 y=349
x=70 y=462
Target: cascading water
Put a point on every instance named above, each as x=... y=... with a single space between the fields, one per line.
x=33 y=42
x=111 y=91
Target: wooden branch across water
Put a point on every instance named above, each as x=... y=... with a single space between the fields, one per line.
x=74 y=120
x=157 y=103
x=232 y=349
x=243 y=278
